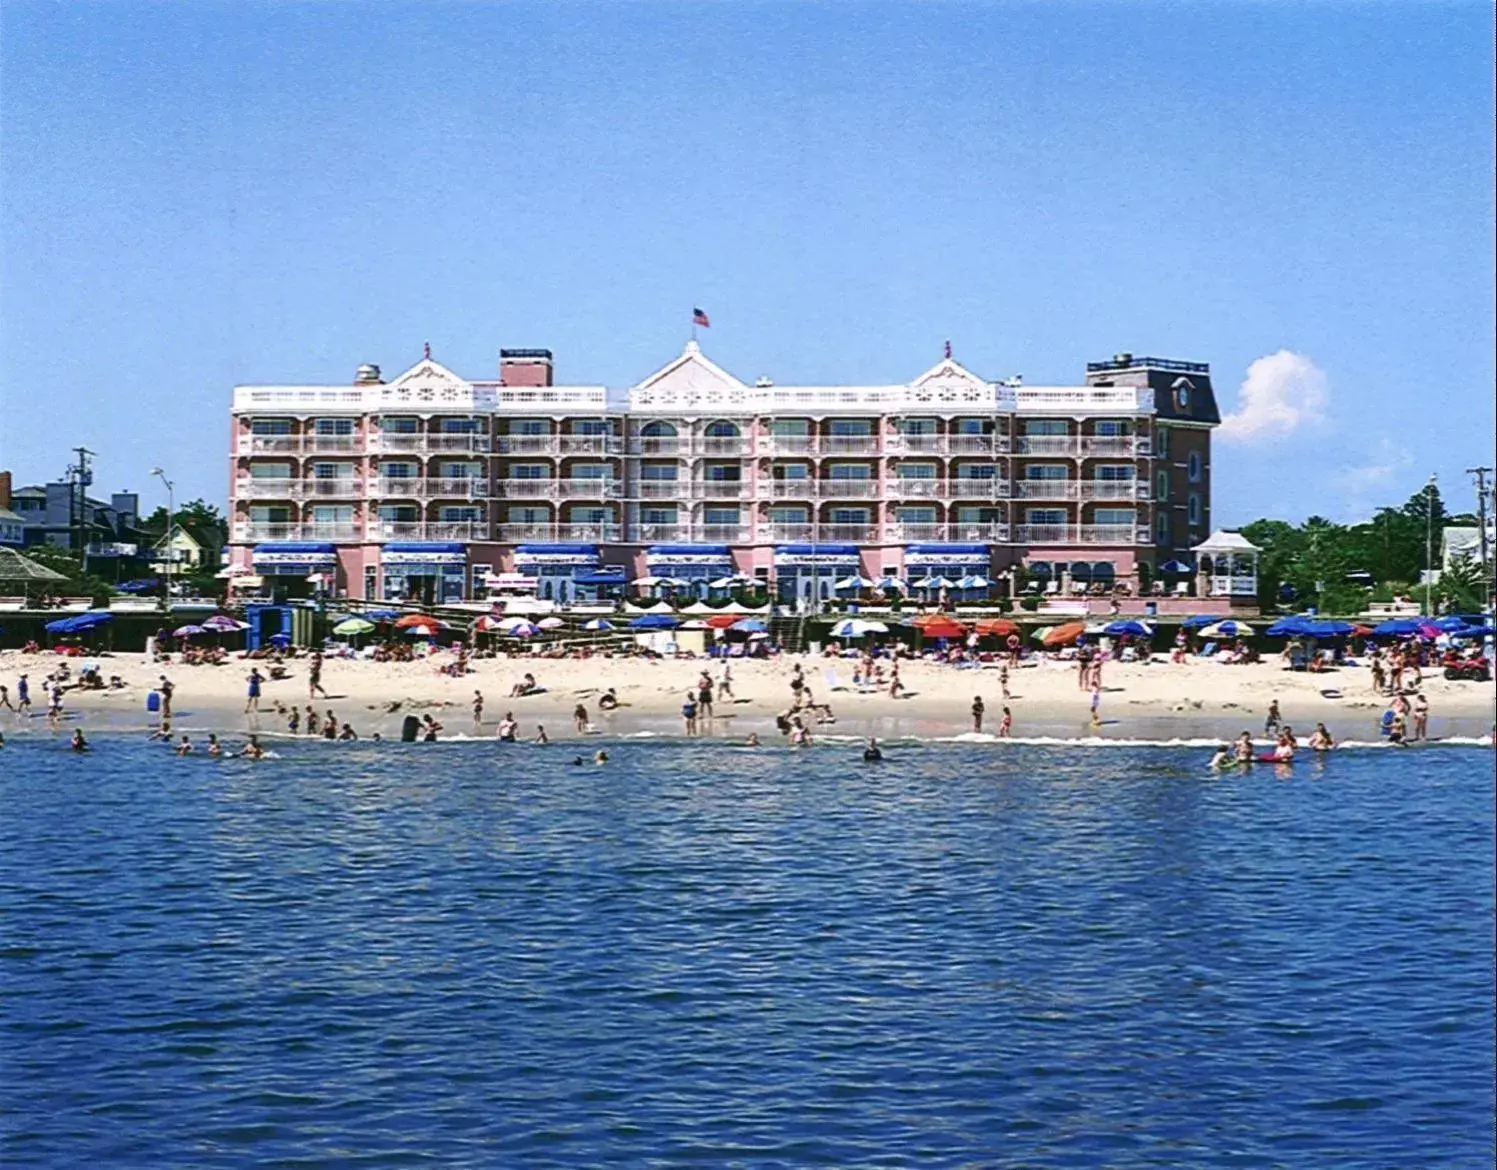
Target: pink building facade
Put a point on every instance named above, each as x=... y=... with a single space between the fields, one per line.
x=430 y=485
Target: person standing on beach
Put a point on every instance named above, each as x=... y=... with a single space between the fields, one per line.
x=5 y=697
x=725 y=681
x=478 y=711
x=1003 y=680
x=166 y=689
x=314 y=677
x=1271 y=721
x=23 y=694
x=896 y=688
x=689 y=713
x=508 y=728
x=1421 y=716
x=704 y=695
x=579 y=718
x=1096 y=706
x=978 y=708
x=312 y=721
x=253 y=702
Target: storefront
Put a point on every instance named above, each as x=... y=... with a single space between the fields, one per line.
x=806 y=575
x=286 y=566
x=426 y=573
x=696 y=564
x=557 y=569
x=951 y=561
x=606 y=583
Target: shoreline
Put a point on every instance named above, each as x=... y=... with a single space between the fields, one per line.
x=1155 y=702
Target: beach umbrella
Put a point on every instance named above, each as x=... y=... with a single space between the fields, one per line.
x=938 y=625
x=973 y=581
x=411 y=620
x=427 y=629
x=1128 y=629
x=350 y=626
x=1331 y=629
x=60 y=626
x=1227 y=629
x=722 y=621
x=654 y=621
x=1039 y=634
x=1398 y=628
x=551 y=623
x=758 y=637
x=188 y=631
x=598 y=624
x=382 y=615
x=1200 y=620
x=489 y=623
x=510 y=624
x=749 y=626
x=997 y=627
x=736 y=581
x=853 y=582
x=1290 y=627
x=1176 y=568
x=223 y=624
x=695 y=624
x=887 y=583
x=1472 y=632
x=1063 y=635
x=857 y=627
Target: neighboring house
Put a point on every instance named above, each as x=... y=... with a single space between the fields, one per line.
x=1460 y=541
x=12 y=529
x=183 y=549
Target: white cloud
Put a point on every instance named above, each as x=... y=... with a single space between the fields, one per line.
x=1282 y=392
x=1383 y=465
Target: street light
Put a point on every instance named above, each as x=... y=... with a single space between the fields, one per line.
x=171 y=508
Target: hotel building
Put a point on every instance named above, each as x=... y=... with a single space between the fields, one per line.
x=425 y=485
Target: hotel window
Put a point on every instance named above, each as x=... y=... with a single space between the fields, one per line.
x=1114 y=516
x=659 y=472
x=592 y=426
x=1193 y=467
x=1162 y=486
x=1045 y=426
x=977 y=471
x=270 y=426
x=582 y=514
x=529 y=471
x=332 y=471
x=722 y=429
x=529 y=426
x=916 y=471
x=335 y=426
x=972 y=426
x=796 y=471
x=850 y=426
x=332 y=514
x=270 y=514
x=721 y=515
x=270 y=471
x=1116 y=472
x=458 y=426
x=1047 y=471
x=849 y=515
x=399 y=513
x=399 y=470
x=590 y=471
x=1162 y=442
x=1045 y=516
x=915 y=426
x=978 y=516
x=458 y=470
x=915 y=515
x=399 y=426
x=1162 y=528
x=790 y=428
x=528 y=515
x=456 y=515
x=722 y=472
x=665 y=514
x=1113 y=427
x=789 y=515
x=1193 y=508
x=849 y=471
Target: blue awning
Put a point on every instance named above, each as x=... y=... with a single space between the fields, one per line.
x=607 y=575
x=398 y=554
x=297 y=546
x=556 y=554
x=965 y=555
x=414 y=546
x=948 y=548
x=293 y=558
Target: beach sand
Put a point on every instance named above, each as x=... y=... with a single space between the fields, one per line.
x=1196 y=700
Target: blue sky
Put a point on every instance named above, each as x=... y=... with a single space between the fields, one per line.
x=197 y=195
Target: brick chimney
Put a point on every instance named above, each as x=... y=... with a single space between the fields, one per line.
x=525 y=367
x=4 y=489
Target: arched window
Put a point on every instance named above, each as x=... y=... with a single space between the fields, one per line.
x=657 y=430
x=722 y=429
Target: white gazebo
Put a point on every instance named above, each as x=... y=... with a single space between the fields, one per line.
x=1227 y=565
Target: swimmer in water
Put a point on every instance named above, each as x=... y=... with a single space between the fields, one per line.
x=541 y=738
x=185 y=747
x=1222 y=758
x=871 y=753
x=601 y=758
x=577 y=761
x=753 y=739
x=213 y=745
x=78 y=744
x=1242 y=750
x=1320 y=739
x=252 y=750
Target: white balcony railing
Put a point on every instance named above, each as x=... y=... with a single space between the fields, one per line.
x=554 y=489
x=1081 y=489
x=977 y=533
x=429 y=530
x=415 y=487
x=787 y=445
x=662 y=489
x=1115 y=489
x=847 y=489
x=721 y=489
x=395 y=442
x=1045 y=445
x=1108 y=445
x=787 y=489
x=269 y=445
x=1080 y=534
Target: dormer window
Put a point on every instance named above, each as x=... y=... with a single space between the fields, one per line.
x=1182 y=393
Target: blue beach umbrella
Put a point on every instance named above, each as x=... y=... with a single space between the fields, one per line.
x=598 y=624
x=1131 y=629
x=1199 y=620
x=1398 y=628
x=749 y=626
x=655 y=621
x=1330 y=628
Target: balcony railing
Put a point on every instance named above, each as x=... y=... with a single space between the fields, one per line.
x=721 y=489
x=946 y=444
x=787 y=445
x=415 y=487
x=1045 y=445
x=1080 y=534
x=269 y=445
x=255 y=530
x=847 y=489
x=395 y=442
x=977 y=533
x=1238 y=585
x=429 y=530
x=1109 y=445
x=540 y=489
x=658 y=446
x=558 y=444
x=662 y=489
x=1046 y=489
x=1116 y=489
x=1081 y=489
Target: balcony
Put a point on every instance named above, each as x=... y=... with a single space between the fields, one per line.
x=770 y=445
x=661 y=533
x=553 y=489
x=975 y=533
x=1045 y=445
x=267 y=488
x=658 y=446
x=1109 y=445
x=1046 y=489
x=1115 y=489
x=333 y=444
x=1076 y=534
x=721 y=489
x=663 y=489
x=722 y=533
x=258 y=530
x=819 y=533
x=429 y=530
x=400 y=442
x=527 y=445
x=977 y=444
x=269 y=445
x=787 y=489
x=591 y=445
x=722 y=446
x=847 y=489
x=848 y=445
x=592 y=487
x=414 y=487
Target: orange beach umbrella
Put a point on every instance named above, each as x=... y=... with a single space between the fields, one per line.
x=938 y=625
x=997 y=627
x=1063 y=635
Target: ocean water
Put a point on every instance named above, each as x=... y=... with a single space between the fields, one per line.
x=465 y=955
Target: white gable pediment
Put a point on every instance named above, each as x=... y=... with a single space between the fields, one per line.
x=692 y=382
x=428 y=384
x=949 y=383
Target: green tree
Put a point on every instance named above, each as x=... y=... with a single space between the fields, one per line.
x=1461 y=586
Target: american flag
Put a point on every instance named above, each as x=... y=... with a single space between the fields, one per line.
x=700 y=318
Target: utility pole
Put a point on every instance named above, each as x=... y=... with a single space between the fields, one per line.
x=81 y=478
x=1481 y=474
x=1429 y=544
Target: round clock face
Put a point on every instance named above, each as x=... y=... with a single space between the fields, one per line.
x=1182 y=398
